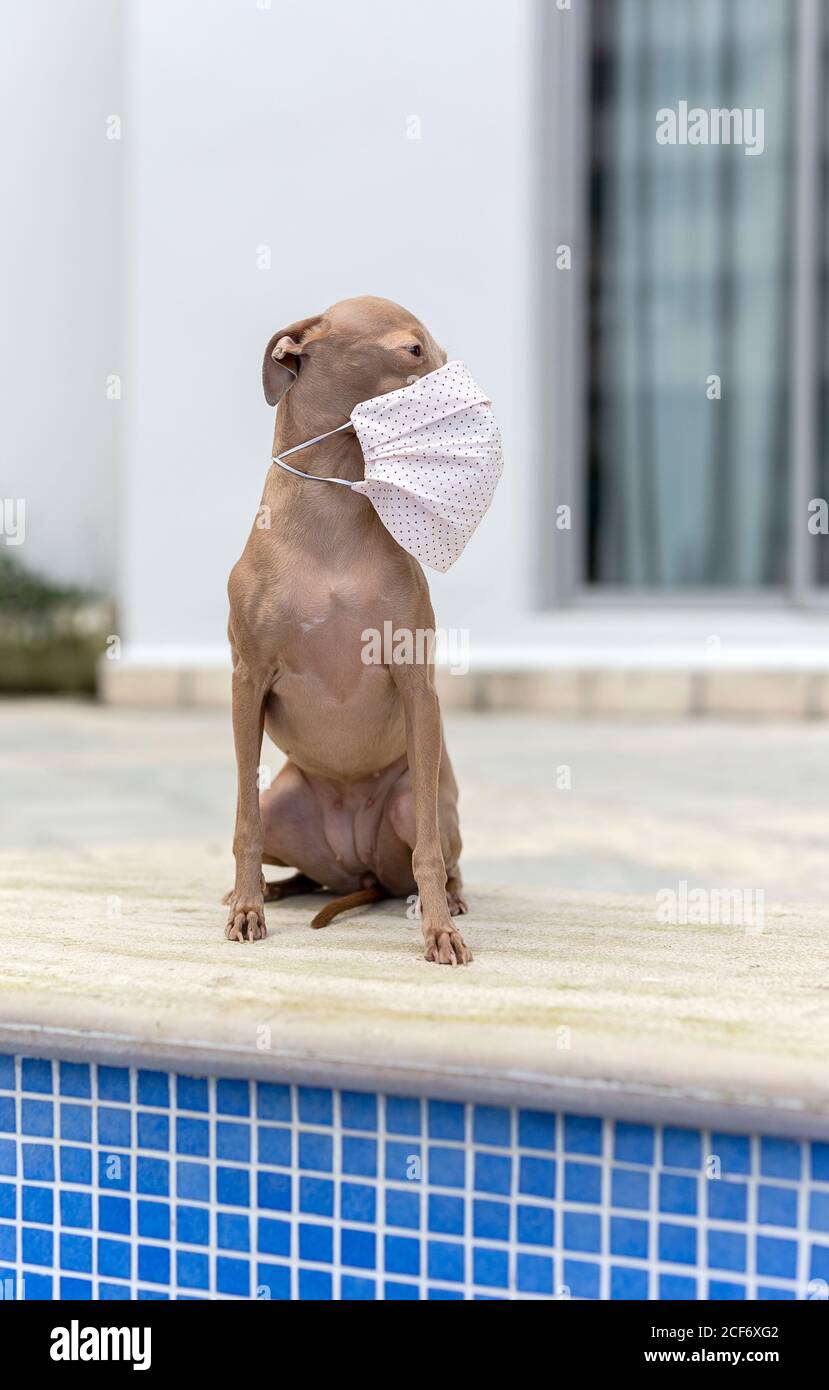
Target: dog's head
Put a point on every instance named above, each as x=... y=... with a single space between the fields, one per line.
x=357 y=349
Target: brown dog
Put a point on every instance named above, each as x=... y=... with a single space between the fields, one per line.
x=367 y=802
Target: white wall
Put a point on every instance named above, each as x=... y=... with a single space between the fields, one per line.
x=287 y=126
x=60 y=248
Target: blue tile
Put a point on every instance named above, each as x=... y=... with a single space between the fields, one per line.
x=192 y=1093
x=820 y=1162
x=536 y=1130
x=357 y=1248
x=358 y=1110
x=38 y=1162
x=193 y=1225
x=733 y=1151
x=534 y=1274
x=76 y=1253
x=359 y=1157
x=192 y=1270
x=582 y=1232
x=633 y=1143
x=192 y=1137
x=154 y=1220
x=115 y=1291
x=777 y=1206
x=8 y=1201
x=152 y=1177
x=8 y=1243
x=273 y=1102
x=582 y=1278
x=76 y=1165
x=154 y=1264
x=402 y=1255
x=232 y=1276
x=677 y=1194
x=445 y=1261
x=582 y=1135
x=276 y=1279
x=718 y=1288
x=8 y=1121
x=233 y=1142
x=75 y=1289
x=493 y=1173
x=443 y=1295
x=403 y=1210
x=629 y=1237
x=491 y=1125
x=447 y=1167
x=628 y=1283
x=403 y=1160
x=7 y=1082
x=490 y=1220
x=274 y=1191
x=76 y=1123
x=274 y=1145
x=316 y=1243
x=76 y=1209
x=774 y=1293
x=316 y=1196
x=114 y=1258
x=273 y=1237
x=233 y=1186
x=402 y=1115
x=395 y=1292
x=8 y=1157
x=446 y=1120
x=193 y=1181
x=358 y=1202
x=727 y=1201
x=777 y=1257
x=114 y=1127
x=819 y=1211
x=446 y=1215
x=232 y=1231
x=36 y=1075
x=316 y=1105
x=75 y=1080
x=37 y=1246
x=819 y=1262
x=114 y=1215
x=153 y=1131
x=727 y=1250
x=582 y=1182
x=674 y=1287
x=154 y=1089
x=681 y=1148
x=316 y=1151
x=232 y=1097
x=357 y=1290
x=535 y=1225
x=781 y=1158
x=536 y=1176
x=36 y=1286
x=677 y=1244
x=37 y=1118
x=114 y=1084
x=314 y=1285
x=38 y=1205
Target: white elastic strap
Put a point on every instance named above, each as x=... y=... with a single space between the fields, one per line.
x=298 y=473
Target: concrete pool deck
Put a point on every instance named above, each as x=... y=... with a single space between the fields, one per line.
x=116 y=851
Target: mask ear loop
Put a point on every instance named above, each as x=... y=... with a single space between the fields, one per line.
x=297 y=472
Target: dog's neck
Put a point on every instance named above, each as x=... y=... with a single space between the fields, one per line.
x=339 y=456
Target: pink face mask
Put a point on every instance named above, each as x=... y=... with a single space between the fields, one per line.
x=432 y=454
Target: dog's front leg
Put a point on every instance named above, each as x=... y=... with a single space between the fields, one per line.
x=246 y=913
x=424 y=743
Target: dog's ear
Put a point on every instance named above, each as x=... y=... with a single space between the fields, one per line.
x=280 y=367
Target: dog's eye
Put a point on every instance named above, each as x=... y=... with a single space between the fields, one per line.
x=416 y=350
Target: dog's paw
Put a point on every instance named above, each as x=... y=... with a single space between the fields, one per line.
x=446 y=946
x=263 y=889
x=456 y=904
x=245 y=919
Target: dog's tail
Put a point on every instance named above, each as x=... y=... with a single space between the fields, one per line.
x=331 y=910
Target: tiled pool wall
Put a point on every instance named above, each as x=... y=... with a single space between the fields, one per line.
x=118 y=1183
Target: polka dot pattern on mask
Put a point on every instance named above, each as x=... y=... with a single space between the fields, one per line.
x=433 y=458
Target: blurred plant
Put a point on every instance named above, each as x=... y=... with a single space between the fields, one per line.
x=51 y=635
